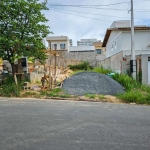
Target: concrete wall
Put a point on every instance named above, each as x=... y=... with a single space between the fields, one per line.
x=75 y=57
x=113 y=63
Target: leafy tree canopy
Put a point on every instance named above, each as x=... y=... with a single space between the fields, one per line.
x=22 y=27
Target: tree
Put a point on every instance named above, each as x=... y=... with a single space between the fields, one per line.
x=22 y=28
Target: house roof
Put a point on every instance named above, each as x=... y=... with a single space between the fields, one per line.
x=108 y=32
x=56 y=38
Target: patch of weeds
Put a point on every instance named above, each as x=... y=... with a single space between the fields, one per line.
x=82 y=66
x=61 y=95
x=102 y=70
x=65 y=96
x=51 y=94
x=148 y=98
x=90 y=95
x=145 y=88
x=44 y=93
x=133 y=96
x=10 y=89
x=27 y=94
x=126 y=81
x=56 y=90
x=101 y=97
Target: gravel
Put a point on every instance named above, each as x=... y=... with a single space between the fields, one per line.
x=93 y=83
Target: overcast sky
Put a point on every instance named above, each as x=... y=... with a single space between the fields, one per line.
x=83 y=22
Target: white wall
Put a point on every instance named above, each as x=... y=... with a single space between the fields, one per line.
x=114 y=44
x=145 y=69
x=142 y=40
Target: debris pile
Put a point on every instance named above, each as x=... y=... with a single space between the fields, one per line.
x=93 y=83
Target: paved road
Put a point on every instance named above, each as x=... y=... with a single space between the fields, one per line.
x=70 y=125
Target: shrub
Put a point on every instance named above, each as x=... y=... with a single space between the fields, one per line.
x=126 y=81
x=102 y=70
x=9 y=88
x=90 y=95
x=131 y=96
x=82 y=66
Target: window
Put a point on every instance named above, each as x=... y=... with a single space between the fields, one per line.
x=62 y=46
x=115 y=45
x=98 y=51
x=112 y=48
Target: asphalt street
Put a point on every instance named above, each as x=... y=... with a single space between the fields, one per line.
x=28 y=124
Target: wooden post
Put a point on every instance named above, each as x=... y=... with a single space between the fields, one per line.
x=55 y=45
x=50 y=80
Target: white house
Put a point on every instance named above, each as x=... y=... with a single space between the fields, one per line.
x=117 y=41
x=62 y=42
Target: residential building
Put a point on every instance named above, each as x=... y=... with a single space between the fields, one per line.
x=117 y=41
x=62 y=42
x=99 y=51
x=70 y=41
x=86 y=42
x=81 y=49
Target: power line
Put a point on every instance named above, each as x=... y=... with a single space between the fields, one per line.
x=98 y=7
x=103 y=8
x=88 y=5
x=81 y=16
x=97 y=14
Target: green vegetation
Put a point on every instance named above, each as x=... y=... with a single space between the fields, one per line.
x=135 y=91
x=102 y=70
x=28 y=94
x=135 y=96
x=22 y=28
x=9 y=88
x=82 y=66
x=90 y=95
x=126 y=81
x=101 y=97
x=57 y=92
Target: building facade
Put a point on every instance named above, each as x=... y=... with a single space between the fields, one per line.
x=86 y=42
x=117 y=41
x=62 y=42
x=71 y=42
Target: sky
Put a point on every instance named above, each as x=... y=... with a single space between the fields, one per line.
x=85 y=19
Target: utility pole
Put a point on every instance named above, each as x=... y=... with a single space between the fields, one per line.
x=133 y=58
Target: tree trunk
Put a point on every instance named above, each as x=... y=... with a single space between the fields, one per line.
x=13 y=68
x=14 y=73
